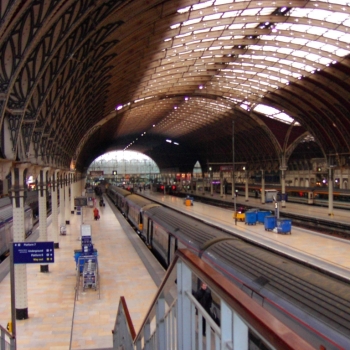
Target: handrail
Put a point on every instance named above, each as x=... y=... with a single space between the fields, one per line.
x=4 y=333
x=159 y=292
x=128 y=318
x=270 y=328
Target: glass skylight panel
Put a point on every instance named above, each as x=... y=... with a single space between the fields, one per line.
x=250 y=12
x=273 y=113
x=285 y=50
x=315 y=44
x=317 y=30
x=282 y=26
x=272 y=59
x=267 y=11
x=285 y=39
x=313 y=57
x=299 y=41
x=225 y=37
x=223 y=2
x=329 y=48
x=251 y=25
x=212 y=17
x=236 y=26
x=299 y=53
x=342 y=52
x=339 y=2
x=333 y=34
x=184 y=10
x=205 y=30
x=230 y=14
x=298 y=65
x=202 y=5
x=337 y=17
x=191 y=21
x=213 y=29
x=345 y=38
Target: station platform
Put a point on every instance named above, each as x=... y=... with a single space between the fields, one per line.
x=327 y=252
x=57 y=321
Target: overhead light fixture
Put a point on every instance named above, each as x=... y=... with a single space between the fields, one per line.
x=168 y=141
x=119 y=107
x=176 y=143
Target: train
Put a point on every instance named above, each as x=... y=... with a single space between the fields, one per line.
x=309 y=301
x=304 y=195
x=6 y=224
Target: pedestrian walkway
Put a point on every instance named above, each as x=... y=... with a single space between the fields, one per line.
x=58 y=322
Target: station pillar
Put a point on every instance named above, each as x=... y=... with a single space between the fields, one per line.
x=20 y=270
x=283 y=186
x=330 y=190
x=246 y=185
x=42 y=197
x=54 y=208
x=66 y=198
x=262 y=186
x=62 y=200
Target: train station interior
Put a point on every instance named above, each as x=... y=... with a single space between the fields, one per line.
x=219 y=95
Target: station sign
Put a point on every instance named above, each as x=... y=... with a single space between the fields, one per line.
x=33 y=252
x=80 y=201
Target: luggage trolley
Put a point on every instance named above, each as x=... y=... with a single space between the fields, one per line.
x=90 y=273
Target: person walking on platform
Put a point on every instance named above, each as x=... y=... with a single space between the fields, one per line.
x=96 y=214
x=203 y=295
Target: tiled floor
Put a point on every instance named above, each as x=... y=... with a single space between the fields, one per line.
x=55 y=321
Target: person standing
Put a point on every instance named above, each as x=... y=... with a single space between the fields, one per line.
x=96 y=214
x=203 y=295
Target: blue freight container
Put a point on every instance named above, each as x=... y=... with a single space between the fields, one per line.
x=284 y=226
x=250 y=217
x=261 y=216
x=269 y=222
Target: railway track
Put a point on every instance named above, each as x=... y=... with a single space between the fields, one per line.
x=322 y=296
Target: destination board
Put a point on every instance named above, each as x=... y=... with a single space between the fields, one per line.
x=33 y=252
x=80 y=201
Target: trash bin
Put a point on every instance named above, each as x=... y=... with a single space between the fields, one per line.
x=261 y=216
x=250 y=217
x=284 y=226
x=63 y=230
x=269 y=222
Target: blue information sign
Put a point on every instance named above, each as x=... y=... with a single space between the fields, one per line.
x=33 y=252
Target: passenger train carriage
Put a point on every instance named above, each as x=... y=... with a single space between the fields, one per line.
x=309 y=301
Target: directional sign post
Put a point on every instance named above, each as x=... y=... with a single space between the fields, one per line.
x=33 y=252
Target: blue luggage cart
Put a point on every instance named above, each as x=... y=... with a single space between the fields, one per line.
x=284 y=226
x=250 y=217
x=261 y=216
x=269 y=222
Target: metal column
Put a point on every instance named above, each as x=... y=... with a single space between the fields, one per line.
x=330 y=191
x=42 y=211
x=54 y=208
x=20 y=270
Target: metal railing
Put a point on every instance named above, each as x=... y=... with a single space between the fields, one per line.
x=175 y=318
x=7 y=341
